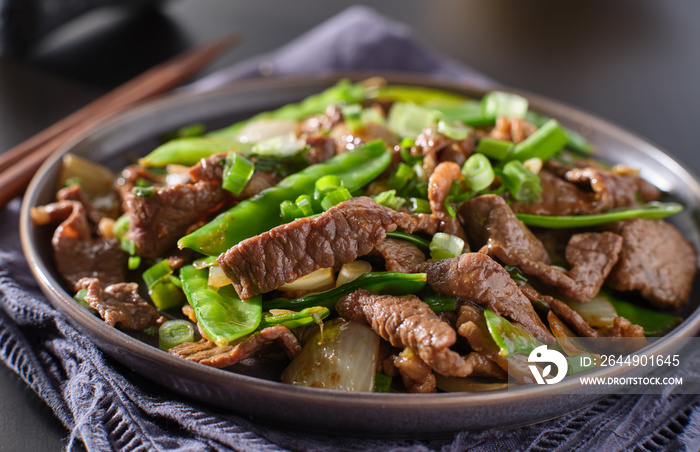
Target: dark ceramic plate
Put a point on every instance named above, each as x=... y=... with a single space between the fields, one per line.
x=397 y=415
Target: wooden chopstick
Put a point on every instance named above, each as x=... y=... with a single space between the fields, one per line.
x=18 y=165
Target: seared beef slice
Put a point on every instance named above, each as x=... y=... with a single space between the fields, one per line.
x=283 y=254
x=656 y=260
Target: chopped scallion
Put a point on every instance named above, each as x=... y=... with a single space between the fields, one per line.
x=237 y=172
x=522 y=183
x=478 y=172
x=289 y=210
x=175 y=332
x=499 y=103
x=543 y=143
x=352 y=114
x=445 y=246
x=401 y=177
x=157 y=273
x=303 y=202
x=495 y=149
x=382 y=383
x=419 y=205
x=335 y=197
x=453 y=129
x=389 y=199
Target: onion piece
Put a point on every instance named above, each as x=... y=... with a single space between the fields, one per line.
x=266 y=128
x=343 y=357
x=352 y=271
x=217 y=277
x=469 y=384
x=599 y=312
x=323 y=277
x=568 y=341
x=95 y=179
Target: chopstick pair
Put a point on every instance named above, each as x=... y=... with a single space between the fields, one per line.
x=18 y=165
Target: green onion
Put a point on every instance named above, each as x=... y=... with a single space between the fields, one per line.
x=389 y=199
x=652 y=210
x=335 y=197
x=495 y=149
x=439 y=303
x=453 y=129
x=157 y=273
x=468 y=112
x=144 y=192
x=75 y=180
x=175 y=332
x=303 y=202
x=80 y=298
x=121 y=226
x=292 y=319
x=382 y=383
x=543 y=143
x=478 y=172
x=371 y=115
x=406 y=156
x=401 y=176
x=419 y=205
x=522 y=183
x=289 y=210
x=141 y=182
x=237 y=172
x=445 y=246
x=167 y=293
x=418 y=241
x=499 y=103
x=352 y=116
x=134 y=262
x=511 y=338
x=326 y=184
x=128 y=246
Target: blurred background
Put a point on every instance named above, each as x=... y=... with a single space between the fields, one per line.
x=633 y=62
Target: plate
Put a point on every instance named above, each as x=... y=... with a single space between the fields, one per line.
x=136 y=132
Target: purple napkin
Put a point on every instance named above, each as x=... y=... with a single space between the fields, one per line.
x=107 y=407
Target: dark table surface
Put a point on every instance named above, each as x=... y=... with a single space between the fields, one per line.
x=633 y=62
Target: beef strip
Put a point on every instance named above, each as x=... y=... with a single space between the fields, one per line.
x=208 y=353
x=478 y=278
x=438 y=190
x=417 y=376
x=407 y=322
x=347 y=140
x=563 y=311
x=323 y=122
x=471 y=324
x=585 y=191
x=655 y=260
x=511 y=129
x=626 y=337
x=159 y=220
x=321 y=148
x=77 y=253
x=436 y=147
x=492 y=224
x=211 y=169
x=120 y=304
x=400 y=255
x=94 y=214
x=339 y=236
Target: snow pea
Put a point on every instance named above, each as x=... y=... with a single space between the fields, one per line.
x=651 y=210
x=510 y=337
x=221 y=315
x=262 y=212
x=292 y=320
x=393 y=283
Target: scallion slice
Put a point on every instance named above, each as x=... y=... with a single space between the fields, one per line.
x=495 y=149
x=237 y=172
x=401 y=177
x=445 y=246
x=419 y=205
x=499 y=103
x=478 y=172
x=543 y=143
x=289 y=210
x=389 y=199
x=522 y=183
x=335 y=197
x=453 y=129
x=157 y=273
x=352 y=114
x=303 y=202
x=175 y=332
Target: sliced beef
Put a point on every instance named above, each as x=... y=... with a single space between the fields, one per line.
x=492 y=224
x=511 y=129
x=321 y=148
x=400 y=255
x=159 y=220
x=407 y=322
x=471 y=324
x=130 y=176
x=438 y=190
x=94 y=214
x=589 y=190
x=655 y=260
x=563 y=311
x=208 y=169
x=436 y=147
x=209 y=354
x=478 y=278
x=120 y=304
x=323 y=122
x=339 y=236
x=626 y=337
x=79 y=254
x=417 y=376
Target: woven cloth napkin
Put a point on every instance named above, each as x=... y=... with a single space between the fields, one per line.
x=107 y=407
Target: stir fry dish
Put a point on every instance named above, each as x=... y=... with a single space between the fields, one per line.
x=375 y=237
